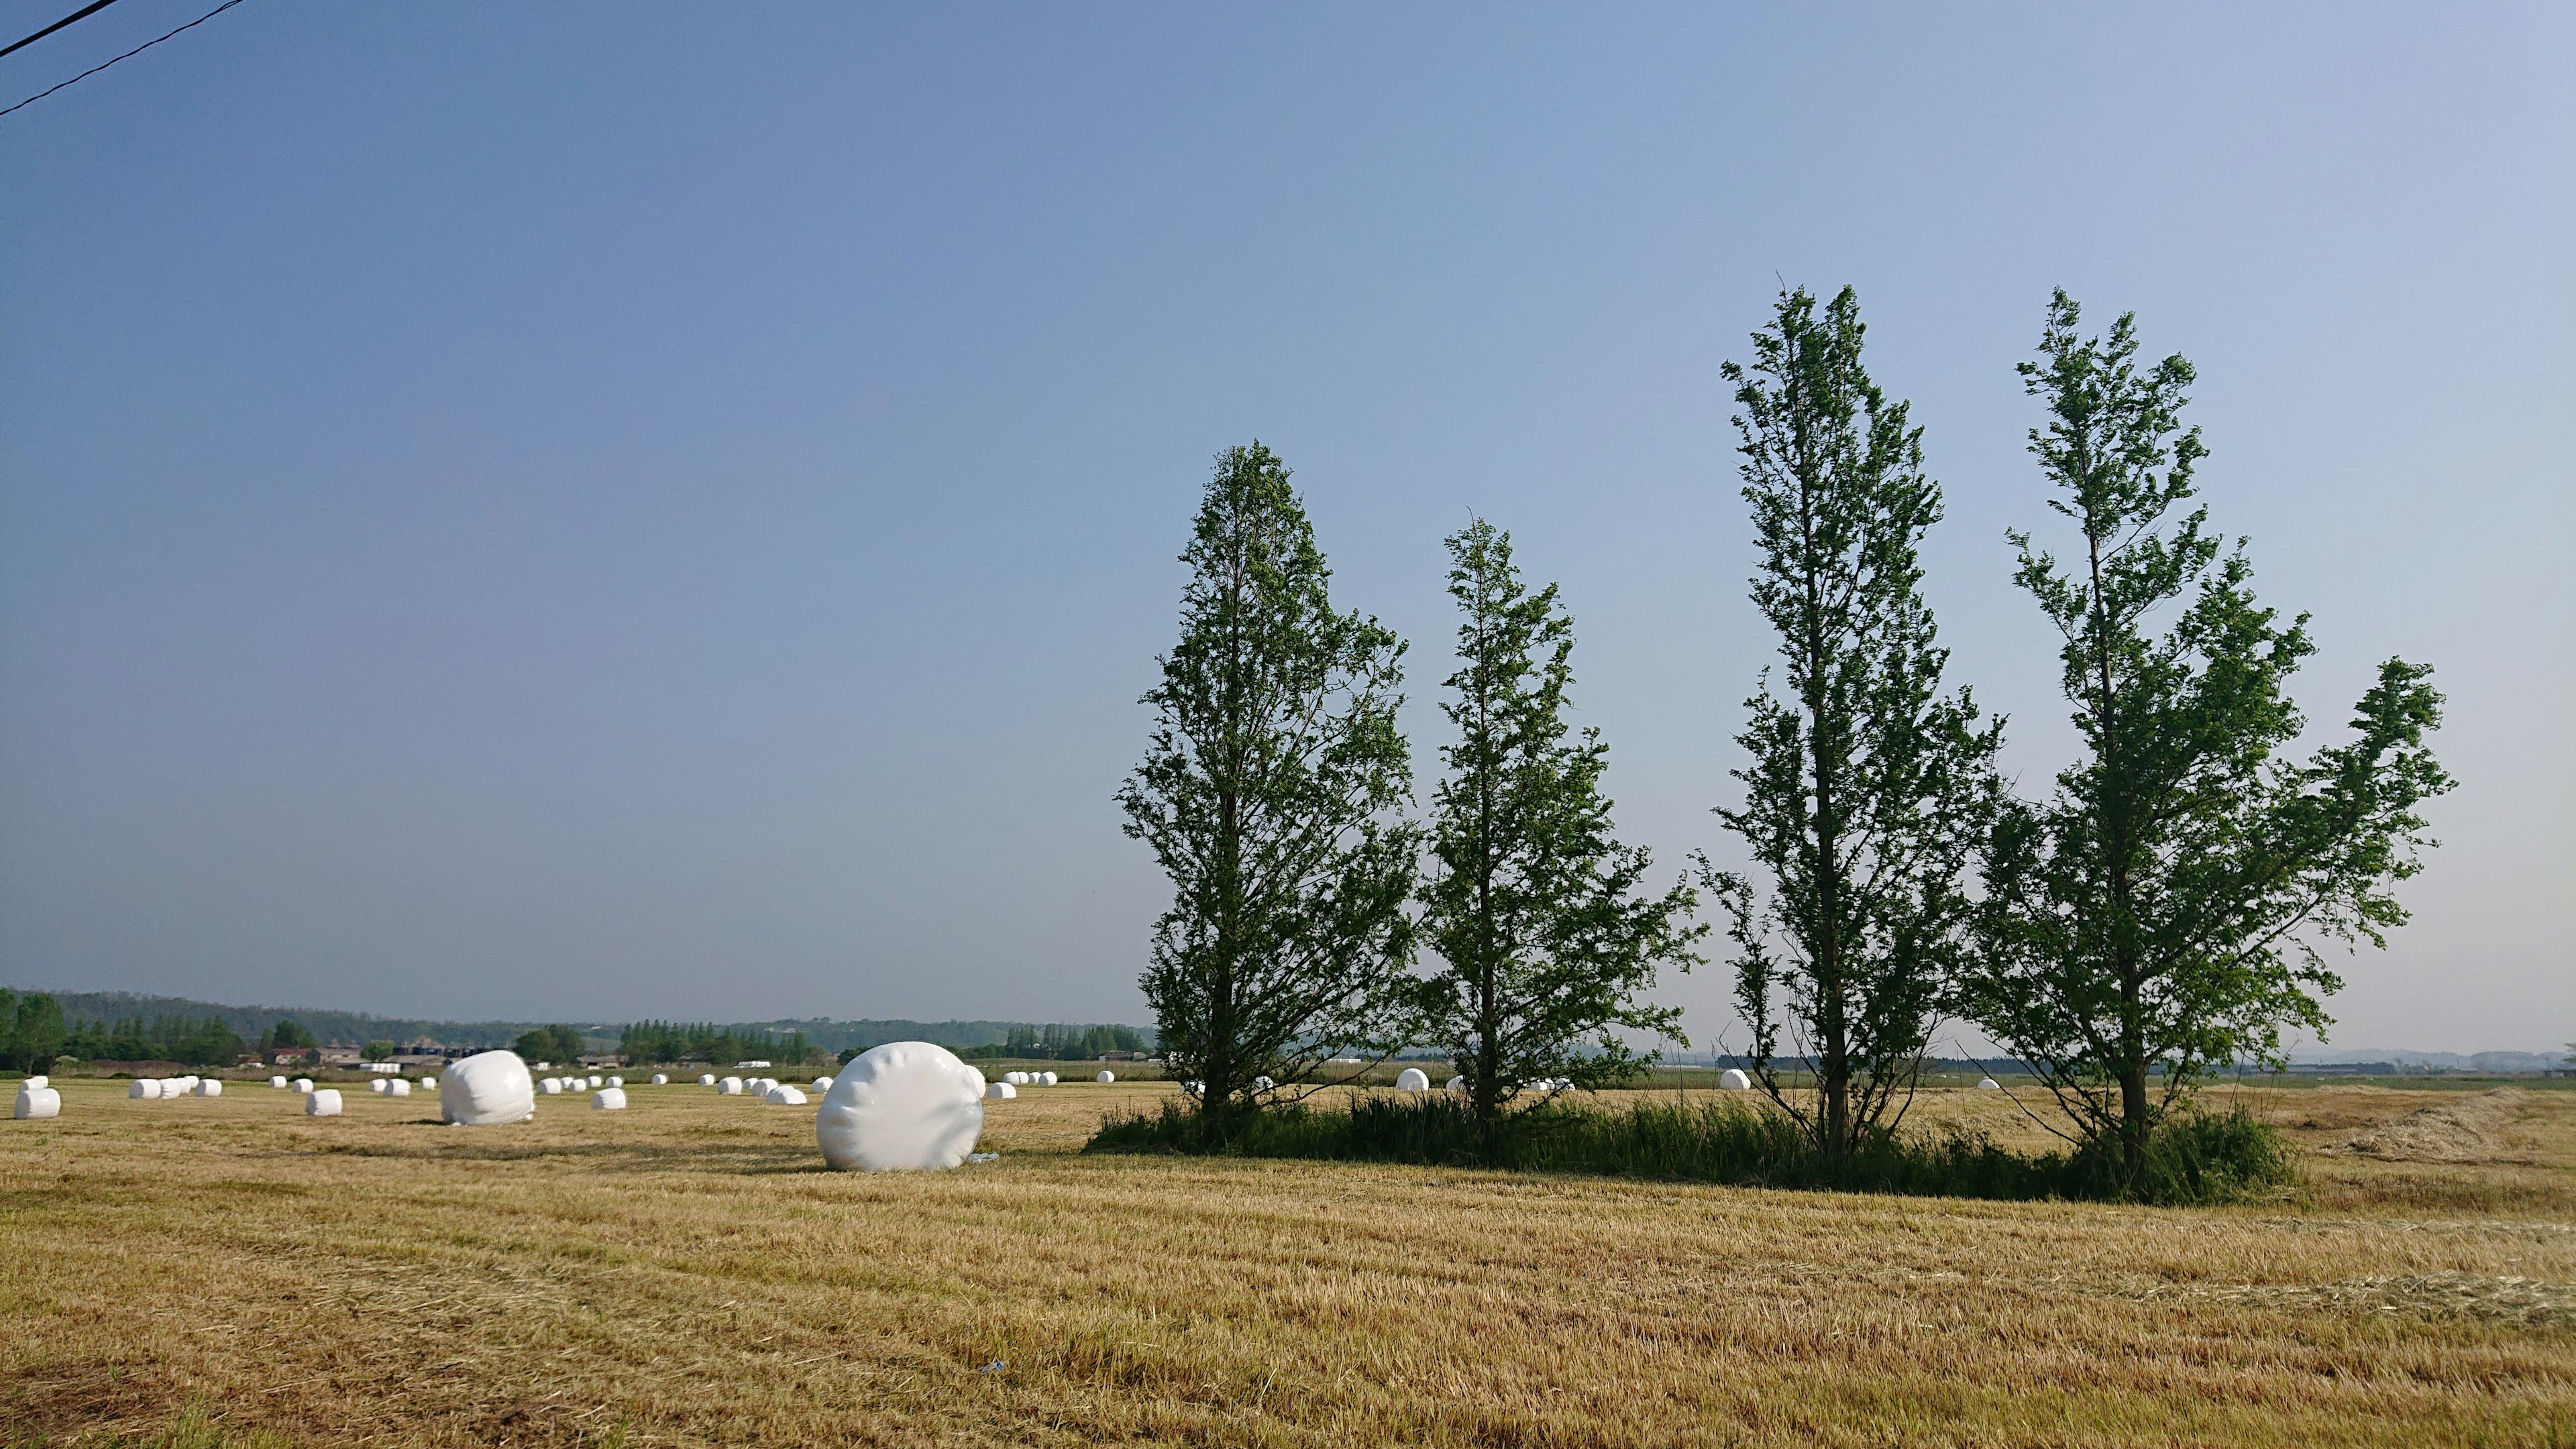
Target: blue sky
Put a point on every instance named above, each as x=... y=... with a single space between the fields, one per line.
x=606 y=510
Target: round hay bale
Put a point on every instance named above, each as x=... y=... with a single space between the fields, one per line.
x=1457 y=1087
x=706 y=1079
x=144 y=1089
x=1263 y=1084
x=1734 y=1080
x=38 y=1080
x=36 y=1100
x=551 y=1086
x=1989 y=1084
x=210 y=1088
x=1413 y=1079
x=595 y=1082
x=487 y=1089
x=304 y=1084
x=429 y=1084
x=729 y=1087
x=1105 y=1078
x=616 y=1081
x=1193 y=1089
x=398 y=1088
x=784 y=1095
x=822 y=1084
x=1000 y=1091
x=608 y=1099
x=904 y=1105
x=661 y=1079
x=324 y=1103
x=1016 y=1079
x=380 y=1086
x=277 y=1084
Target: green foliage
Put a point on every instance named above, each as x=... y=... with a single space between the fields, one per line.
x=557 y=1043
x=2200 y=1159
x=671 y=1041
x=1869 y=786
x=377 y=1050
x=288 y=1035
x=195 y=1041
x=2158 y=916
x=1533 y=903
x=32 y=1033
x=1268 y=794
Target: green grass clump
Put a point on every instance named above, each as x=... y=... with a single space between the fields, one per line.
x=2195 y=1158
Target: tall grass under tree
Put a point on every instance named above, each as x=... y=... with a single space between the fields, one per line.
x=1269 y=794
x=1532 y=903
x=1869 y=784
x=2158 y=916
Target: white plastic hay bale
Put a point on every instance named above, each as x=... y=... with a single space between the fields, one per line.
x=595 y=1082
x=729 y=1087
x=380 y=1086
x=1000 y=1091
x=324 y=1103
x=822 y=1084
x=1413 y=1079
x=784 y=1095
x=903 y=1105
x=1457 y=1087
x=429 y=1084
x=706 y=1079
x=487 y=1089
x=277 y=1084
x=614 y=1081
x=1262 y=1084
x=1051 y=1078
x=38 y=1080
x=1734 y=1080
x=1016 y=1079
x=144 y=1089
x=36 y=1100
x=551 y=1086
x=304 y=1084
x=1989 y=1084
x=608 y=1099
x=399 y=1088
x=1105 y=1078
x=1193 y=1089
x=661 y=1079
x=210 y=1088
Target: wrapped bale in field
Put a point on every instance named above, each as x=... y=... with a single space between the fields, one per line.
x=551 y=1086
x=903 y=1105
x=144 y=1089
x=324 y=1103
x=1457 y=1087
x=729 y=1087
x=1016 y=1079
x=595 y=1082
x=1105 y=1078
x=822 y=1084
x=210 y=1088
x=617 y=1081
x=661 y=1079
x=1734 y=1080
x=304 y=1084
x=277 y=1084
x=1000 y=1091
x=400 y=1088
x=1989 y=1084
x=784 y=1095
x=487 y=1089
x=1413 y=1079
x=1263 y=1084
x=380 y=1086
x=1050 y=1078
x=608 y=1099
x=706 y=1079
x=36 y=1101
x=429 y=1084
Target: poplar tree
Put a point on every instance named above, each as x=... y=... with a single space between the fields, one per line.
x=1533 y=903
x=2159 y=915
x=1269 y=794
x=1869 y=786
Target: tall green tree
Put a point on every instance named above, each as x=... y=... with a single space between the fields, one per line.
x=2159 y=915
x=1269 y=794
x=1533 y=904
x=1870 y=785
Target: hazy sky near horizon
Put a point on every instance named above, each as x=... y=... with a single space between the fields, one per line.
x=591 y=511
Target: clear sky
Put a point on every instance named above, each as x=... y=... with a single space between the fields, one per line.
x=600 y=510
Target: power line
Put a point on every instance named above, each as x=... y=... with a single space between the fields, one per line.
x=81 y=14
x=129 y=55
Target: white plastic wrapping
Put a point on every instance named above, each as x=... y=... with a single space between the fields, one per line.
x=1734 y=1080
x=36 y=1100
x=487 y=1089
x=608 y=1099
x=551 y=1086
x=822 y=1084
x=144 y=1089
x=617 y=1081
x=784 y=1095
x=1989 y=1084
x=1000 y=1091
x=1016 y=1079
x=380 y=1086
x=38 y=1080
x=1105 y=1078
x=661 y=1079
x=323 y=1103
x=730 y=1087
x=304 y=1084
x=277 y=1084
x=1413 y=1079
x=706 y=1079
x=210 y=1088
x=1457 y=1086
x=904 y=1105
x=400 y=1088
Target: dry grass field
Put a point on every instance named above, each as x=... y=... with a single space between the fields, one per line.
x=684 y=1273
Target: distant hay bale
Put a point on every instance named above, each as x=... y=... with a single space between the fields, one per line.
x=398 y=1087
x=784 y=1095
x=706 y=1079
x=822 y=1084
x=304 y=1084
x=1989 y=1084
x=1456 y=1086
x=324 y=1103
x=1000 y=1091
x=144 y=1089
x=38 y=1080
x=379 y=1086
x=429 y=1084
x=486 y=1090
x=608 y=1099
x=1016 y=1079
x=615 y=1081
x=1734 y=1080
x=1413 y=1079
x=36 y=1100
x=277 y=1084
x=595 y=1081
x=1104 y=1078
x=1193 y=1089
x=210 y=1088
x=551 y=1086
x=1049 y=1076
x=729 y=1087
x=661 y=1079
x=1262 y=1084
x=906 y=1105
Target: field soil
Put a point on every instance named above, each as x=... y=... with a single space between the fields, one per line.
x=685 y=1273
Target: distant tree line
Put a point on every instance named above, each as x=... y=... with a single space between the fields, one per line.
x=2159 y=913
x=672 y=1041
x=34 y=1035
x=1058 y=1042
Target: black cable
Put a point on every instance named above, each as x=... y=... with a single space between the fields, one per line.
x=129 y=55
x=83 y=13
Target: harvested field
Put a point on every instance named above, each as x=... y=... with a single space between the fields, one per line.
x=684 y=1273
